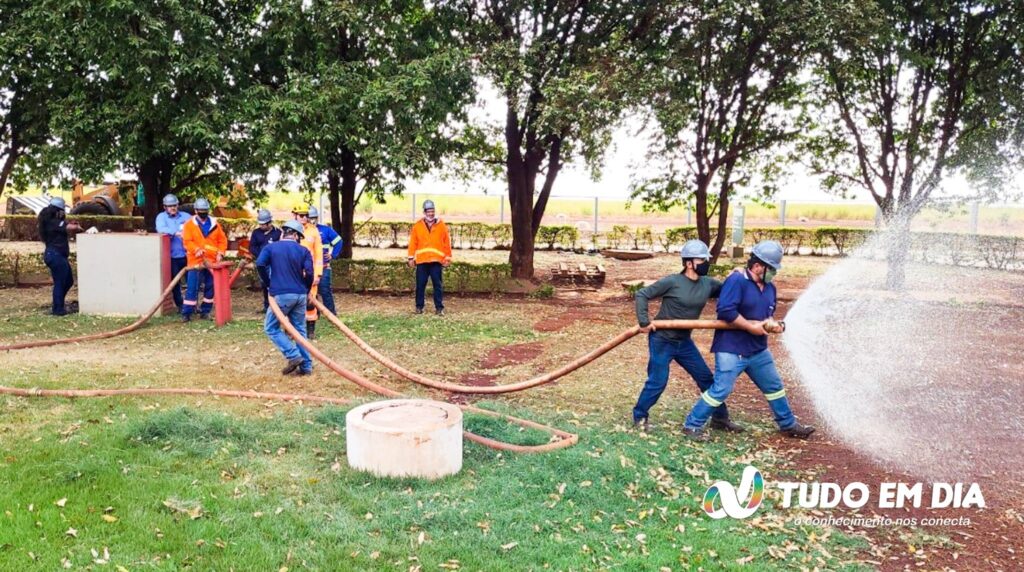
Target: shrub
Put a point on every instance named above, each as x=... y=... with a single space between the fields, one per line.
x=396 y=276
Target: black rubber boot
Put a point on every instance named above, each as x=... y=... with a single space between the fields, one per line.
x=310 y=330
x=726 y=425
x=798 y=431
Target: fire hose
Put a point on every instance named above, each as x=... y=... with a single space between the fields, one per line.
x=522 y=385
x=564 y=439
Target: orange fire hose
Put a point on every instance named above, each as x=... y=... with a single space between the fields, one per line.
x=530 y=383
x=103 y=335
x=565 y=439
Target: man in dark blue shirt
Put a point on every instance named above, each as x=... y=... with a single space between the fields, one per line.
x=286 y=268
x=263 y=235
x=748 y=301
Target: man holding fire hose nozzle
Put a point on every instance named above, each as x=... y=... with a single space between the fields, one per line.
x=747 y=300
x=683 y=297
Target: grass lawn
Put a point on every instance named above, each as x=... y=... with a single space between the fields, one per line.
x=206 y=483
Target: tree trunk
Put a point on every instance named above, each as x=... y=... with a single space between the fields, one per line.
x=700 y=209
x=520 y=257
x=898 y=248
x=348 y=201
x=149 y=177
x=155 y=177
x=5 y=171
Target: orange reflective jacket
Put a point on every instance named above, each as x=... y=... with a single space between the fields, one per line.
x=311 y=240
x=199 y=248
x=430 y=245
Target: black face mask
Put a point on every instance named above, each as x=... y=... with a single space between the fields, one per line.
x=703 y=268
x=202 y=216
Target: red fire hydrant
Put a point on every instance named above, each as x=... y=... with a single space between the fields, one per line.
x=221 y=292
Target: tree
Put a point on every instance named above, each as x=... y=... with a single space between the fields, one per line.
x=27 y=83
x=722 y=88
x=562 y=68
x=912 y=92
x=153 y=89
x=357 y=95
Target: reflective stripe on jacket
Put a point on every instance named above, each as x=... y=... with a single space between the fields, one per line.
x=215 y=242
x=312 y=242
x=430 y=244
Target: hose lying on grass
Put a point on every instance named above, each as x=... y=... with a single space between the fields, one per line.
x=564 y=439
x=104 y=335
x=530 y=383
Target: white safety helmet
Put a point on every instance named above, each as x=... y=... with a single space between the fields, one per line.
x=263 y=216
x=695 y=249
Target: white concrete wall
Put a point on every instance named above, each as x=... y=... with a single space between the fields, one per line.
x=118 y=273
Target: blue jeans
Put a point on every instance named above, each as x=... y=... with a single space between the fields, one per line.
x=192 y=293
x=662 y=352
x=431 y=270
x=176 y=265
x=325 y=290
x=293 y=306
x=63 y=279
x=760 y=367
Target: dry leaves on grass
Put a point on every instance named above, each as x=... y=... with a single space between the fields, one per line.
x=192 y=509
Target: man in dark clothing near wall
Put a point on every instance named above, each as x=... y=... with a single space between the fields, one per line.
x=53 y=231
x=683 y=297
x=286 y=267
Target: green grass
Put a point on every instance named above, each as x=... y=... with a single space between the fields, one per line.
x=175 y=486
x=451 y=329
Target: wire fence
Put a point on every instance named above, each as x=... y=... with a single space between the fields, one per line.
x=598 y=214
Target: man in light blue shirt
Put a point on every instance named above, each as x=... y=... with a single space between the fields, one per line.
x=169 y=222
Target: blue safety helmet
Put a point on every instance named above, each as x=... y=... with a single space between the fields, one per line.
x=295 y=226
x=770 y=252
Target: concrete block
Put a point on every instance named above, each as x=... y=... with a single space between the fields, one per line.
x=119 y=273
x=405 y=438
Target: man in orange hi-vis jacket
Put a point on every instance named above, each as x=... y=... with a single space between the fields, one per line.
x=430 y=251
x=204 y=241
x=311 y=240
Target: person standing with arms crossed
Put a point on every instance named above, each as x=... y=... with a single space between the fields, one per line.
x=170 y=223
x=430 y=252
x=286 y=268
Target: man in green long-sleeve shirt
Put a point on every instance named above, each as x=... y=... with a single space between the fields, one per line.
x=683 y=297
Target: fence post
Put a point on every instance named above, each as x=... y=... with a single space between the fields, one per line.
x=974 y=217
x=501 y=210
x=782 y=212
x=878 y=217
x=414 y=207
x=737 y=231
x=689 y=215
x=595 y=214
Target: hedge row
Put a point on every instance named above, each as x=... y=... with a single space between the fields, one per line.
x=21 y=269
x=396 y=276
